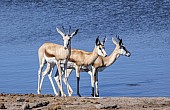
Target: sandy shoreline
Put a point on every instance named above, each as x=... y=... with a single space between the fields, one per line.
x=50 y=102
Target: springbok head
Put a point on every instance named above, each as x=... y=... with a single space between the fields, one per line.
x=100 y=47
x=67 y=37
x=121 y=47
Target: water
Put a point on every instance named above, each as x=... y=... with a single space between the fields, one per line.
x=144 y=26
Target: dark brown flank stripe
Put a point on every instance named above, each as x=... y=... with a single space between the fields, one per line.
x=48 y=54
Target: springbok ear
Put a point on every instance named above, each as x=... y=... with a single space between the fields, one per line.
x=97 y=41
x=114 y=41
x=60 y=32
x=120 y=42
x=74 y=33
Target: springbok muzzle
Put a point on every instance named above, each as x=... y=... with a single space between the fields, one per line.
x=65 y=47
x=128 y=54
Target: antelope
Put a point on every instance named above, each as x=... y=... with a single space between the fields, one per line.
x=101 y=63
x=80 y=58
x=53 y=54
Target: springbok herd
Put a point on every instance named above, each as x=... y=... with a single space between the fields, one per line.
x=67 y=59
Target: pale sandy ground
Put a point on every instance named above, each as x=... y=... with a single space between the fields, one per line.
x=49 y=102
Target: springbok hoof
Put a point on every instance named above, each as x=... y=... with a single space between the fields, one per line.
x=92 y=95
x=79 y=95
x=70 y=92
x=38 y=92
x=63 y=95
x=56 y=94
x=59 y=93
x=96 y=95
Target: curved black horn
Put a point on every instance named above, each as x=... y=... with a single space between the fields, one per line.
x=98 y=36
x=117 y=36
x=69 y=30
x=63 y=29
x=104 y=40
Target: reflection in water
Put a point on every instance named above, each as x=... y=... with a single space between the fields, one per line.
x=133 y=84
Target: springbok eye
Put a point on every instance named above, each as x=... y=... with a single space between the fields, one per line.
x=100 y=48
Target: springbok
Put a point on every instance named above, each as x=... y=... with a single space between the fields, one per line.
x=80 y=58
x=101 y=63
x=53 y=54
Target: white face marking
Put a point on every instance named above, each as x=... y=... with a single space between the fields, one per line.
x=104 y=52
x=122 y=51
x=66 y=41
x=101 y=51
x=128 y=54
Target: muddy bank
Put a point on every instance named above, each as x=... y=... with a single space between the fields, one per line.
x=50 y=102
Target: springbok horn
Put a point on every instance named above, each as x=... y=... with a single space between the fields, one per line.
x=104 y=40
x=117 y=36
x=63 y=29
x=97 y=37
x=69 y=30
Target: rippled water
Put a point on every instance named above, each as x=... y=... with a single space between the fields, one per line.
x=144 y=26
